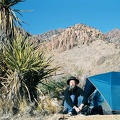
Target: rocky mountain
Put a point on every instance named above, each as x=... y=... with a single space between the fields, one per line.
x=47 y=36
x=66 y=39
x=82 y=50
x=113 y=36
x=63 y=39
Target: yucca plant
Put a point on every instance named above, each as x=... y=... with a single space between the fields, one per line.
x=8 y=18
x=23 y=67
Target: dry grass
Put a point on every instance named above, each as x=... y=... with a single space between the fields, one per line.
x=23 y=105
x=47 y=105
x=5 y=106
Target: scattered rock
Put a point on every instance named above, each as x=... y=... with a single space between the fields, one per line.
x=101 y=60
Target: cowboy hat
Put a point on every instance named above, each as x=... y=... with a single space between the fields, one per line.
x=73 y=78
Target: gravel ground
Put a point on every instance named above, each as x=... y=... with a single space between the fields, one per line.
x=79 y=117
x=66 y=117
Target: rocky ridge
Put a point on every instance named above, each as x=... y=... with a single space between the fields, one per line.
x=113 y=36
x=66 y=39
x=47 y=35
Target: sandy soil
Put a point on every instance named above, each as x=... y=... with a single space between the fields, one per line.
x=79 y=117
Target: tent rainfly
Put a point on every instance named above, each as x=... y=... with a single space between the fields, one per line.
x=108 y=84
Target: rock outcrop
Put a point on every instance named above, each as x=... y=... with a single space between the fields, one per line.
x=73 y=36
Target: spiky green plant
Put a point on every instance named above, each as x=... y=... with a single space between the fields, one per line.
x=8 y=18
x=23 y=67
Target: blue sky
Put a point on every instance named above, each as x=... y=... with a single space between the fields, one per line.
x=54 y=14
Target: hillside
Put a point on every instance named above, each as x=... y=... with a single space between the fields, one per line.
x=82 y=50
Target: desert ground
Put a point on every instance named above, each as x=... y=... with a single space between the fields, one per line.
x=80 y=117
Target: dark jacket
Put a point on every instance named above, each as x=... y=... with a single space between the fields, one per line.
x=77 y=91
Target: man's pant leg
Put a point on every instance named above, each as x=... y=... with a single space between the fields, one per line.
x=80 y=99
x=67 y=107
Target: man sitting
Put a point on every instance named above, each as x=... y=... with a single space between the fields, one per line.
x=74 y=97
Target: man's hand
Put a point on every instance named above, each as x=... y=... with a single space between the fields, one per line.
x=80 y=107
x=76 y=109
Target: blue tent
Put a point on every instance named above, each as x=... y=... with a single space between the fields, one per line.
x=108 y=84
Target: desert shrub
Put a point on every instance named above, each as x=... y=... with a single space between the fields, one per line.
x=51 y=94
x=53 y=87
x=22 y=68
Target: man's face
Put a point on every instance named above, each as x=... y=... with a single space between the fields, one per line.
x=72 y=83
